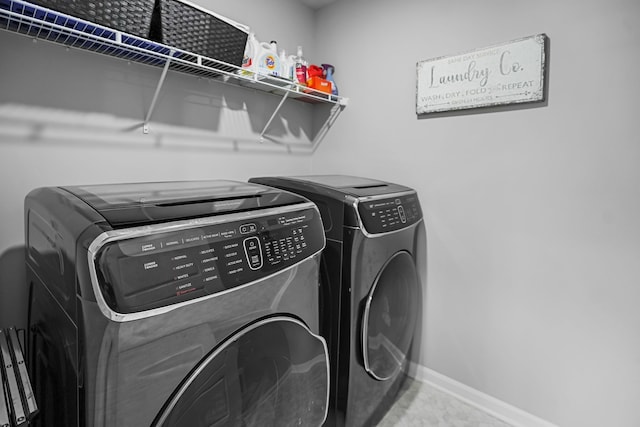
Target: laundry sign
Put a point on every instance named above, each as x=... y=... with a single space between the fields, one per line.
x=509 y=73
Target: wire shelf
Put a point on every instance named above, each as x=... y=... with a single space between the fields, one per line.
x=45 y=24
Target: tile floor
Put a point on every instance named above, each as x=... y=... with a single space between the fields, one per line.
x=421 y=405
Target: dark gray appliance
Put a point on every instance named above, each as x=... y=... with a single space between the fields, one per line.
x=373 y=271
x=175 y=304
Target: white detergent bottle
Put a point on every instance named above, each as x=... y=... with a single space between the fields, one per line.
x=250 y=58
x=286 y=65
x=269 y=63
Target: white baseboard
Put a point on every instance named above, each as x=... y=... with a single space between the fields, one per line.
x=499 y=409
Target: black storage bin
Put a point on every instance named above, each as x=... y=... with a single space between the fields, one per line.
x=191 y=28
x=129 y=16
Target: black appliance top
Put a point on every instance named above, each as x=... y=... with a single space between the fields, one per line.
x=340 y=185
x=124 y=205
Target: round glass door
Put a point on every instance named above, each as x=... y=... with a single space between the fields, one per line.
x=389 y=319
x=272 y=373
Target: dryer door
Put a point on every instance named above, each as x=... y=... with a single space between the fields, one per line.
x=274 y=372
x=390 y=313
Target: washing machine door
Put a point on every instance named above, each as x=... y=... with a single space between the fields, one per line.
x=389 y=318
x=274 y=372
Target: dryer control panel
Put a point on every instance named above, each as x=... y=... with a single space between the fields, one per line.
x=389 y=214
x=166 y=267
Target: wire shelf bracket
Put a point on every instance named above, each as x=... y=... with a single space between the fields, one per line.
x=41 y=23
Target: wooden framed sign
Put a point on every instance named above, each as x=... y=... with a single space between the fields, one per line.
x=509 y=73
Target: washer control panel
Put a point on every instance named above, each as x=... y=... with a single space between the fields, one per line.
x=389 y=214
x=167 y=267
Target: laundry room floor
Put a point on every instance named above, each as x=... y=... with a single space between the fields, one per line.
x=421 y=405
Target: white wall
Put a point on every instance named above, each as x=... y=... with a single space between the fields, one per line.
x=532 y=214
x=74 y=117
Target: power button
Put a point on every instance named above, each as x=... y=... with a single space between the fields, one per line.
x=403 y=217
x=253 y=252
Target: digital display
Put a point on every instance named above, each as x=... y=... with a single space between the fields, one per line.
x=389 y=214
x=167 y=267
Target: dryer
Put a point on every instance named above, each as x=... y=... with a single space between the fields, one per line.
x=175 y=304
x=373 y=271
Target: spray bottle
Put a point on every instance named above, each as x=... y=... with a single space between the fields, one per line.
x=300 y=68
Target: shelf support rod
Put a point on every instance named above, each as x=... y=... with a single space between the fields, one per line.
x=333 y=116
x=284 y=98
x=145 y=126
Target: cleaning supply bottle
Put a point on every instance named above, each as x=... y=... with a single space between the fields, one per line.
x=328 y=74
x=286 y=64
x=250 y=58
x=269 y=62
x=292 y=68
x=300 y=68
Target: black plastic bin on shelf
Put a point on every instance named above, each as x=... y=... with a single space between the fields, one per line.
x=129 y=16
x=191 y=28
x=17 y=403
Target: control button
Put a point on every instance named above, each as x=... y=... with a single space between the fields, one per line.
x=210 y=236
x=179 y=257
x=209 y=260
x=182 y=276
x=253 y=253
x=248 y=228
x=185 y=288
x=236 y=271
x=172 y=242
x=192 y=239
x=149 y=265
x=136 y=246
x=146 y=247
x=403 y=218
x=228 y=234
x=183 y=266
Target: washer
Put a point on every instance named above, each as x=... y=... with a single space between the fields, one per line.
x=373 y=269
x=175 y=304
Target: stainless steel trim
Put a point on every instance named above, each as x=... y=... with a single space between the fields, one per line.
x=384 y=196
x=146 y=230
x=354 y=201
x=230 y=340
x=365 y=318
